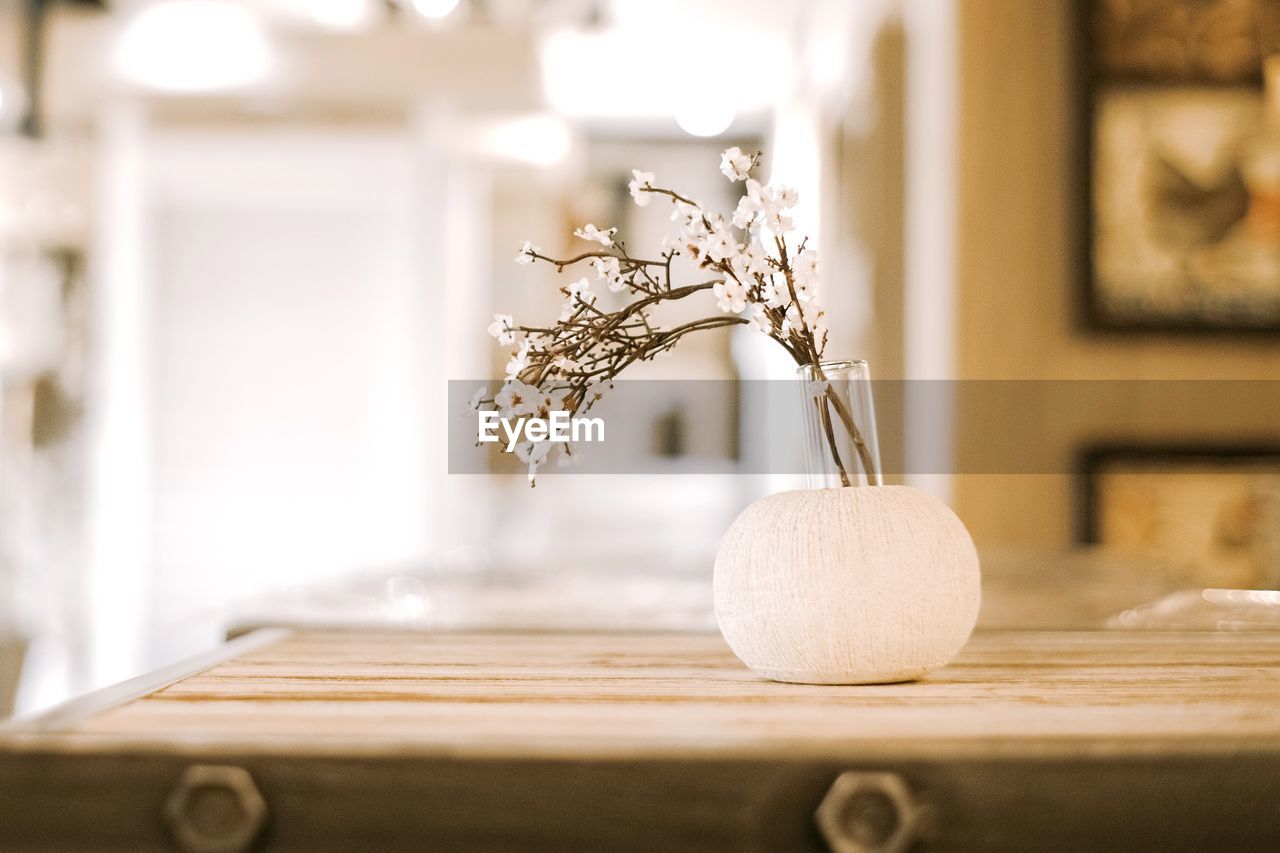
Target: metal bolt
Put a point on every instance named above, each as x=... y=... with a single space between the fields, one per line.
x=215 y=809
x=868 y=813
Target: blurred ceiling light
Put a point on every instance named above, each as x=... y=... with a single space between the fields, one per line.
x=340 y=14
x=539 y=140
x=434 y=8
x=710 y=119
x=598 y=74
x=193 y=46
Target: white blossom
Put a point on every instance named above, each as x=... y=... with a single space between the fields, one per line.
x=639 y=182
x=767 y=206
x=751 y=207
x=813 y=312
x=690 y=218
x=694 y=231
x=579 y=293
x=759 y=318
x=747 y=212
x=804 y=274
x=552 y=401
x=734 y=164
x=610 y=272
x=694 y=225
x=525 y=256
x=778 y=200
x=719 y=245
x=817 y=388
x=533 y=454
x=752 y=261
x=590 y=232
x=779 y=223
x=672 y=244
x=519 y=360
x=808 y=314
x=503 y=328
x=731 y=296
x=805 y=263
x=819 y=328
x=517 y=398
x=772 y=294
x=477 y=399
x=564 y=364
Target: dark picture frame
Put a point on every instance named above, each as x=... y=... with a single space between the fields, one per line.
x=1119 y=85
x=1095 y=461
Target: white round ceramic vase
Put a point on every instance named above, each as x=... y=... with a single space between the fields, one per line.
x=861 y=585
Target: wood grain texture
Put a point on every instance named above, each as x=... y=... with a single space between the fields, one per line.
x=641 y=742
x=553 y=695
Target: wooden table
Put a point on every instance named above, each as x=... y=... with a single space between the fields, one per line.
x=659 y=742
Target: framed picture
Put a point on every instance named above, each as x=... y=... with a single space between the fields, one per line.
x=1211 y=514
x=1182 y=218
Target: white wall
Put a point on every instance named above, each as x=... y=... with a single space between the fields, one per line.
x=281 y=385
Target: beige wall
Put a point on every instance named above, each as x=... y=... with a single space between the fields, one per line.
x=1018 y=272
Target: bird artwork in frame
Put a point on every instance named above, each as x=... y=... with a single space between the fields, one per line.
x=1183 y=214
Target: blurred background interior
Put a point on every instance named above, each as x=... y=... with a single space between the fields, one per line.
x=244 y=244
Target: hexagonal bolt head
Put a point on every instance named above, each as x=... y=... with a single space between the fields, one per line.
x=215 y=809
x=868 y=813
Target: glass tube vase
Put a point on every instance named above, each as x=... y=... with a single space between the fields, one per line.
x=841 y=448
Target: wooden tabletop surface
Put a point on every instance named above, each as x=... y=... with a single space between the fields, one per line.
x=595 y=694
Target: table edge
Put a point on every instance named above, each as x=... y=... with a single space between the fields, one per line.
x=84 y=706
